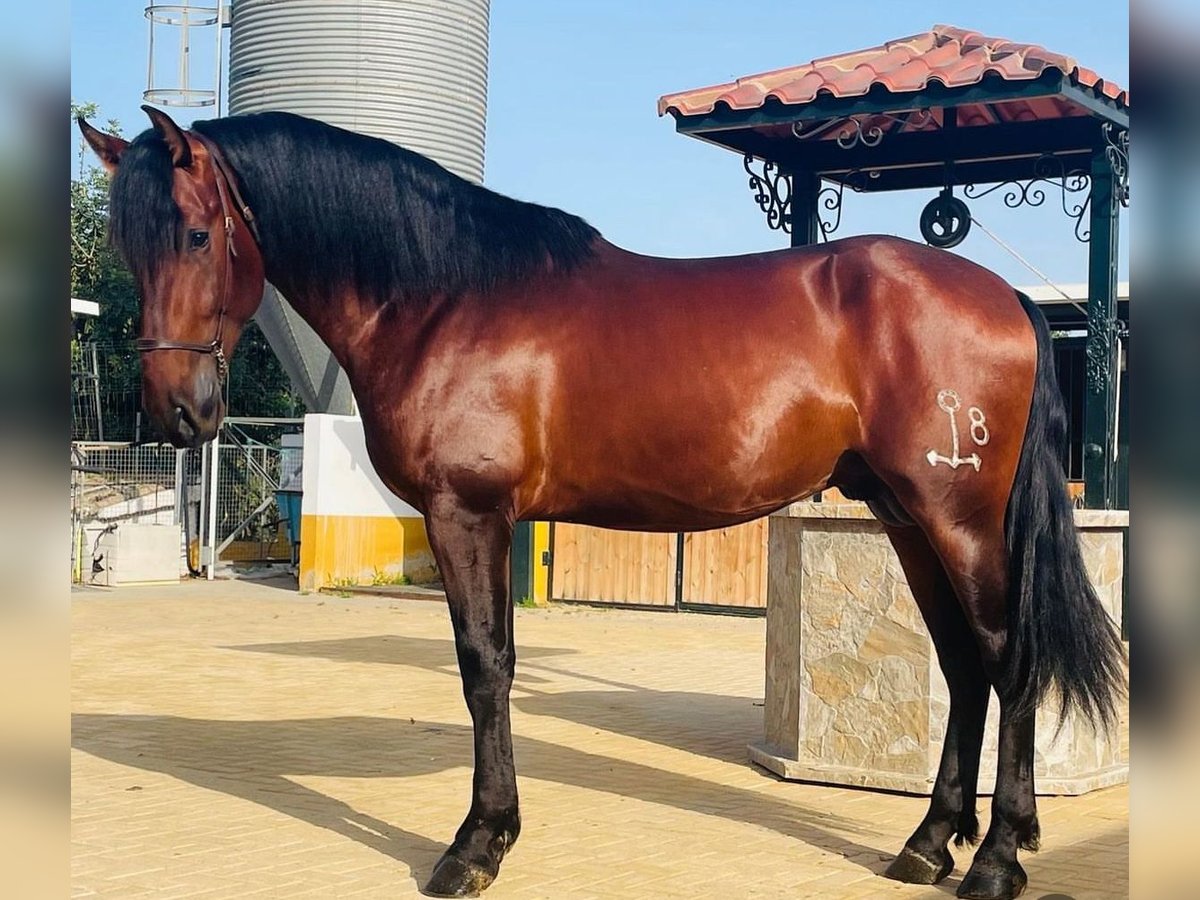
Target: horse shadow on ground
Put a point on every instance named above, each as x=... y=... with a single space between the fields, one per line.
x=256 y=760
x=709 y=725
x=430 y=654
x=268 y=577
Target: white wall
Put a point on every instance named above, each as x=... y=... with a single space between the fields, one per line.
x=338 y=477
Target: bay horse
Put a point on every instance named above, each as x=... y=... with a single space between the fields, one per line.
x=510 y=364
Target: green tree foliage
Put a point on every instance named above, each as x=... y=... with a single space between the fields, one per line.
x=257 y=384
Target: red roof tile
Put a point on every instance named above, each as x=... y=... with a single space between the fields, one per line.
x=953 y=56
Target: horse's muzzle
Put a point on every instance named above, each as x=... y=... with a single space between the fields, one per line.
x=190 y=422
x=187 y=431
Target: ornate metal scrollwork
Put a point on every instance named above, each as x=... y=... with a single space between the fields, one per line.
x=1048 y=171
x=802 y=133
x=773 y=195
x=1099 y=353
x=1116 y=147
x=829 y=199
x=854 y=134
x=772 y=192
x=829 y=209
x=920 y=118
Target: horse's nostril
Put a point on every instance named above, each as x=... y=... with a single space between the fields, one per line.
x=184 y=426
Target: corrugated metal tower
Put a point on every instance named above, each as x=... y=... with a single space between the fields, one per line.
x=410 y=71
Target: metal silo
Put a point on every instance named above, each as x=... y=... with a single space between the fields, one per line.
x=410 y=71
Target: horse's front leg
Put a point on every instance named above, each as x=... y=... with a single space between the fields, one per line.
x=472 y=551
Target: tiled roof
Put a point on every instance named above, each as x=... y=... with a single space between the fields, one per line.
x=956 y=57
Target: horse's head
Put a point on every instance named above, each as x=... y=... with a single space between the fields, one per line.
x=177 y=218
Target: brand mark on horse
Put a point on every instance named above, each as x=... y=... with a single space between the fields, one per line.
x=951 y=403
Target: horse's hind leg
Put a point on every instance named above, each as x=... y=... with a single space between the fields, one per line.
x=925 y=858
x=975 y=558
x=995 y=874
x=472 y=554
x=962 y=523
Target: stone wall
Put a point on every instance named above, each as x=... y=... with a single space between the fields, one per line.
x=854 y=693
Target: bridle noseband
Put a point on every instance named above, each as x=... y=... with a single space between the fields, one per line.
x=227 y=191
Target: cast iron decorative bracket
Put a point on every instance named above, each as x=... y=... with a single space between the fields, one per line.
x=829 y=209
x=829 y=199
x=1049 y=172
x=1116 y=147
x=772 y=192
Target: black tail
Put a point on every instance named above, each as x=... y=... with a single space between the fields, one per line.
x=1060 y=638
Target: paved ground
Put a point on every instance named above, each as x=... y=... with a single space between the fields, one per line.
x=238 y=740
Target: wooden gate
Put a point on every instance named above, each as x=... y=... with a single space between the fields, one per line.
x=727 y=568
x=721 y=570
x=596 y=565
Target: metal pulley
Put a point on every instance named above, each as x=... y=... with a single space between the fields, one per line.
x=945 y=220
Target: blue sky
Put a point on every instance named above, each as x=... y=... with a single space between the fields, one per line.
x=572 y=119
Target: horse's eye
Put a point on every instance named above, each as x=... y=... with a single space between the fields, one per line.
x=198 y=238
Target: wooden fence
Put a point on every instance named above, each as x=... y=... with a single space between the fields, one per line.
x=724 y=568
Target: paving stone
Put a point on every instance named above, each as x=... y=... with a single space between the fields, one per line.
x=235 y=739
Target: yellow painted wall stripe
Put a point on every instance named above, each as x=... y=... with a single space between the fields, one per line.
x=350 y=550
x=541 y=571
x=362 y=549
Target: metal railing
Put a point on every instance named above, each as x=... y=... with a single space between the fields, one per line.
x=117 y=482
x=222 y=497
x=250 y=467
x=105 y=393
x=244 y=522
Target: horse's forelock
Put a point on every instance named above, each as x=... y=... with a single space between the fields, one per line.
x=144 y=220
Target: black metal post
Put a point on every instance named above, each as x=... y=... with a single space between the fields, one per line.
x=806 y=228
x=679 y=571
x=1100 y=408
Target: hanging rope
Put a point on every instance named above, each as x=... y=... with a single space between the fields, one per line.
x=1027 y=264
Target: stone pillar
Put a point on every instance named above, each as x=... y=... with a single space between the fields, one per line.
x=854 y=695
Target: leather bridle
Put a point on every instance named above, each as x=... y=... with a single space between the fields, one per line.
x=231 y=198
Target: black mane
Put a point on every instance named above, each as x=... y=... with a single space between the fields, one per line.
x=340 y=210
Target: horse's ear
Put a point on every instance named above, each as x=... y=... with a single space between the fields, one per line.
x=181 y=151
x=108 y=147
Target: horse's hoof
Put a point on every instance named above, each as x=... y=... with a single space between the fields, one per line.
x=454 y=877
x=913 y=868
x=991 y=881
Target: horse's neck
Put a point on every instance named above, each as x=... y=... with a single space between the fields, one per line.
x=356 y=329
